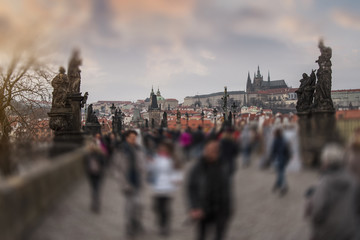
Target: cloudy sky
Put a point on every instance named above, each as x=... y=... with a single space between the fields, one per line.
x=186 y=47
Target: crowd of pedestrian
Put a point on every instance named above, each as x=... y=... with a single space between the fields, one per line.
x=203 y=164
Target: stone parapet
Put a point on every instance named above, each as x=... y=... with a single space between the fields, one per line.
x=25 y=199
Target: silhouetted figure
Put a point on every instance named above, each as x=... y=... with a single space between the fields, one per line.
x=280 y=154
x=130 y=163
x=247 y=143
x=333 y=204
x=209 y=192
x=94 y=168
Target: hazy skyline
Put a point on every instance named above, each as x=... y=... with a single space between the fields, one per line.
x=187 y=47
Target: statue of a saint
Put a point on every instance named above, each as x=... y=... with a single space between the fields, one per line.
x=74 y=72
x=323 y=99
x=83 y=102
x=60 y=84
x=89 y=113
x=305 y=93
x=91 y=116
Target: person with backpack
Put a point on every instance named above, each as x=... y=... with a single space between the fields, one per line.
x=280 y=155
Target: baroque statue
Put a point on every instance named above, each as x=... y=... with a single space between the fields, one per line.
x=305 y=92
x=60 y=84
x=323 y=101
x=74 y=73
x=91 y=117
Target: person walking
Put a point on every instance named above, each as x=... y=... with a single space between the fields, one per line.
x=247 y=140
x=280 y=155
x=94 y=168
x=209 y=192
x=165 y=176
x=131 y=170
x=333 y=204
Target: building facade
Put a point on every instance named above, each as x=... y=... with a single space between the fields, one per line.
x=214 y=99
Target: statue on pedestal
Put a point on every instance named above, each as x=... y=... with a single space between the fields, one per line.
x=91 y=117
x=317 y=123
x=65 y=114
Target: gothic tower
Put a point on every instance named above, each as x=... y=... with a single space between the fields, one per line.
x=258 y=80
x=248 y=84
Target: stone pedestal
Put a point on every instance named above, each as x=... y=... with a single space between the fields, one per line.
x=92 y=128
x=316 y=129
x=66 y=142
x=66 y=124
x=65 y=138
x=75 y=102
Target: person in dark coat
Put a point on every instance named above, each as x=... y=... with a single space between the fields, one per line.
x=94 y=168
x=280 y=154
x=209 y=192
x=229 y=148
x=333 y=204
x=130 y=169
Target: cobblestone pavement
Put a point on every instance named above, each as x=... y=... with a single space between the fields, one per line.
x=260 y=214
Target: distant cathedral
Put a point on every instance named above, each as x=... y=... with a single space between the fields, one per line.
x=259 y=84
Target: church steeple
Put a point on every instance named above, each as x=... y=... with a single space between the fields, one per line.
x=158 y=92
x=248 y=83
x=258 y=71
x=152 y=91
x=268 y=76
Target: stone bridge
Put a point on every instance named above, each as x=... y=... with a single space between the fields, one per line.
x=52 y=202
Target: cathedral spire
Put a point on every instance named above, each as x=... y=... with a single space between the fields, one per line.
x=248 y=83
x=258 y=71
x=268 y=76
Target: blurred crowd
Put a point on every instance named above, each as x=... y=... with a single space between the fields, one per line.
x=204 y=165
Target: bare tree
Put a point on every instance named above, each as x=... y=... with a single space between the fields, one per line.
x=24 y=87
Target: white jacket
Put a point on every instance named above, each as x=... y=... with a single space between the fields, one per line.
x=165 y=176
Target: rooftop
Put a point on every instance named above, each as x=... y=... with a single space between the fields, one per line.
x=216 y=94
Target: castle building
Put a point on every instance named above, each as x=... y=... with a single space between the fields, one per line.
x=258 y=83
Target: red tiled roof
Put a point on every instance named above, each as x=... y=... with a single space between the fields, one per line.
x=193 y=123
x=348 y=114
